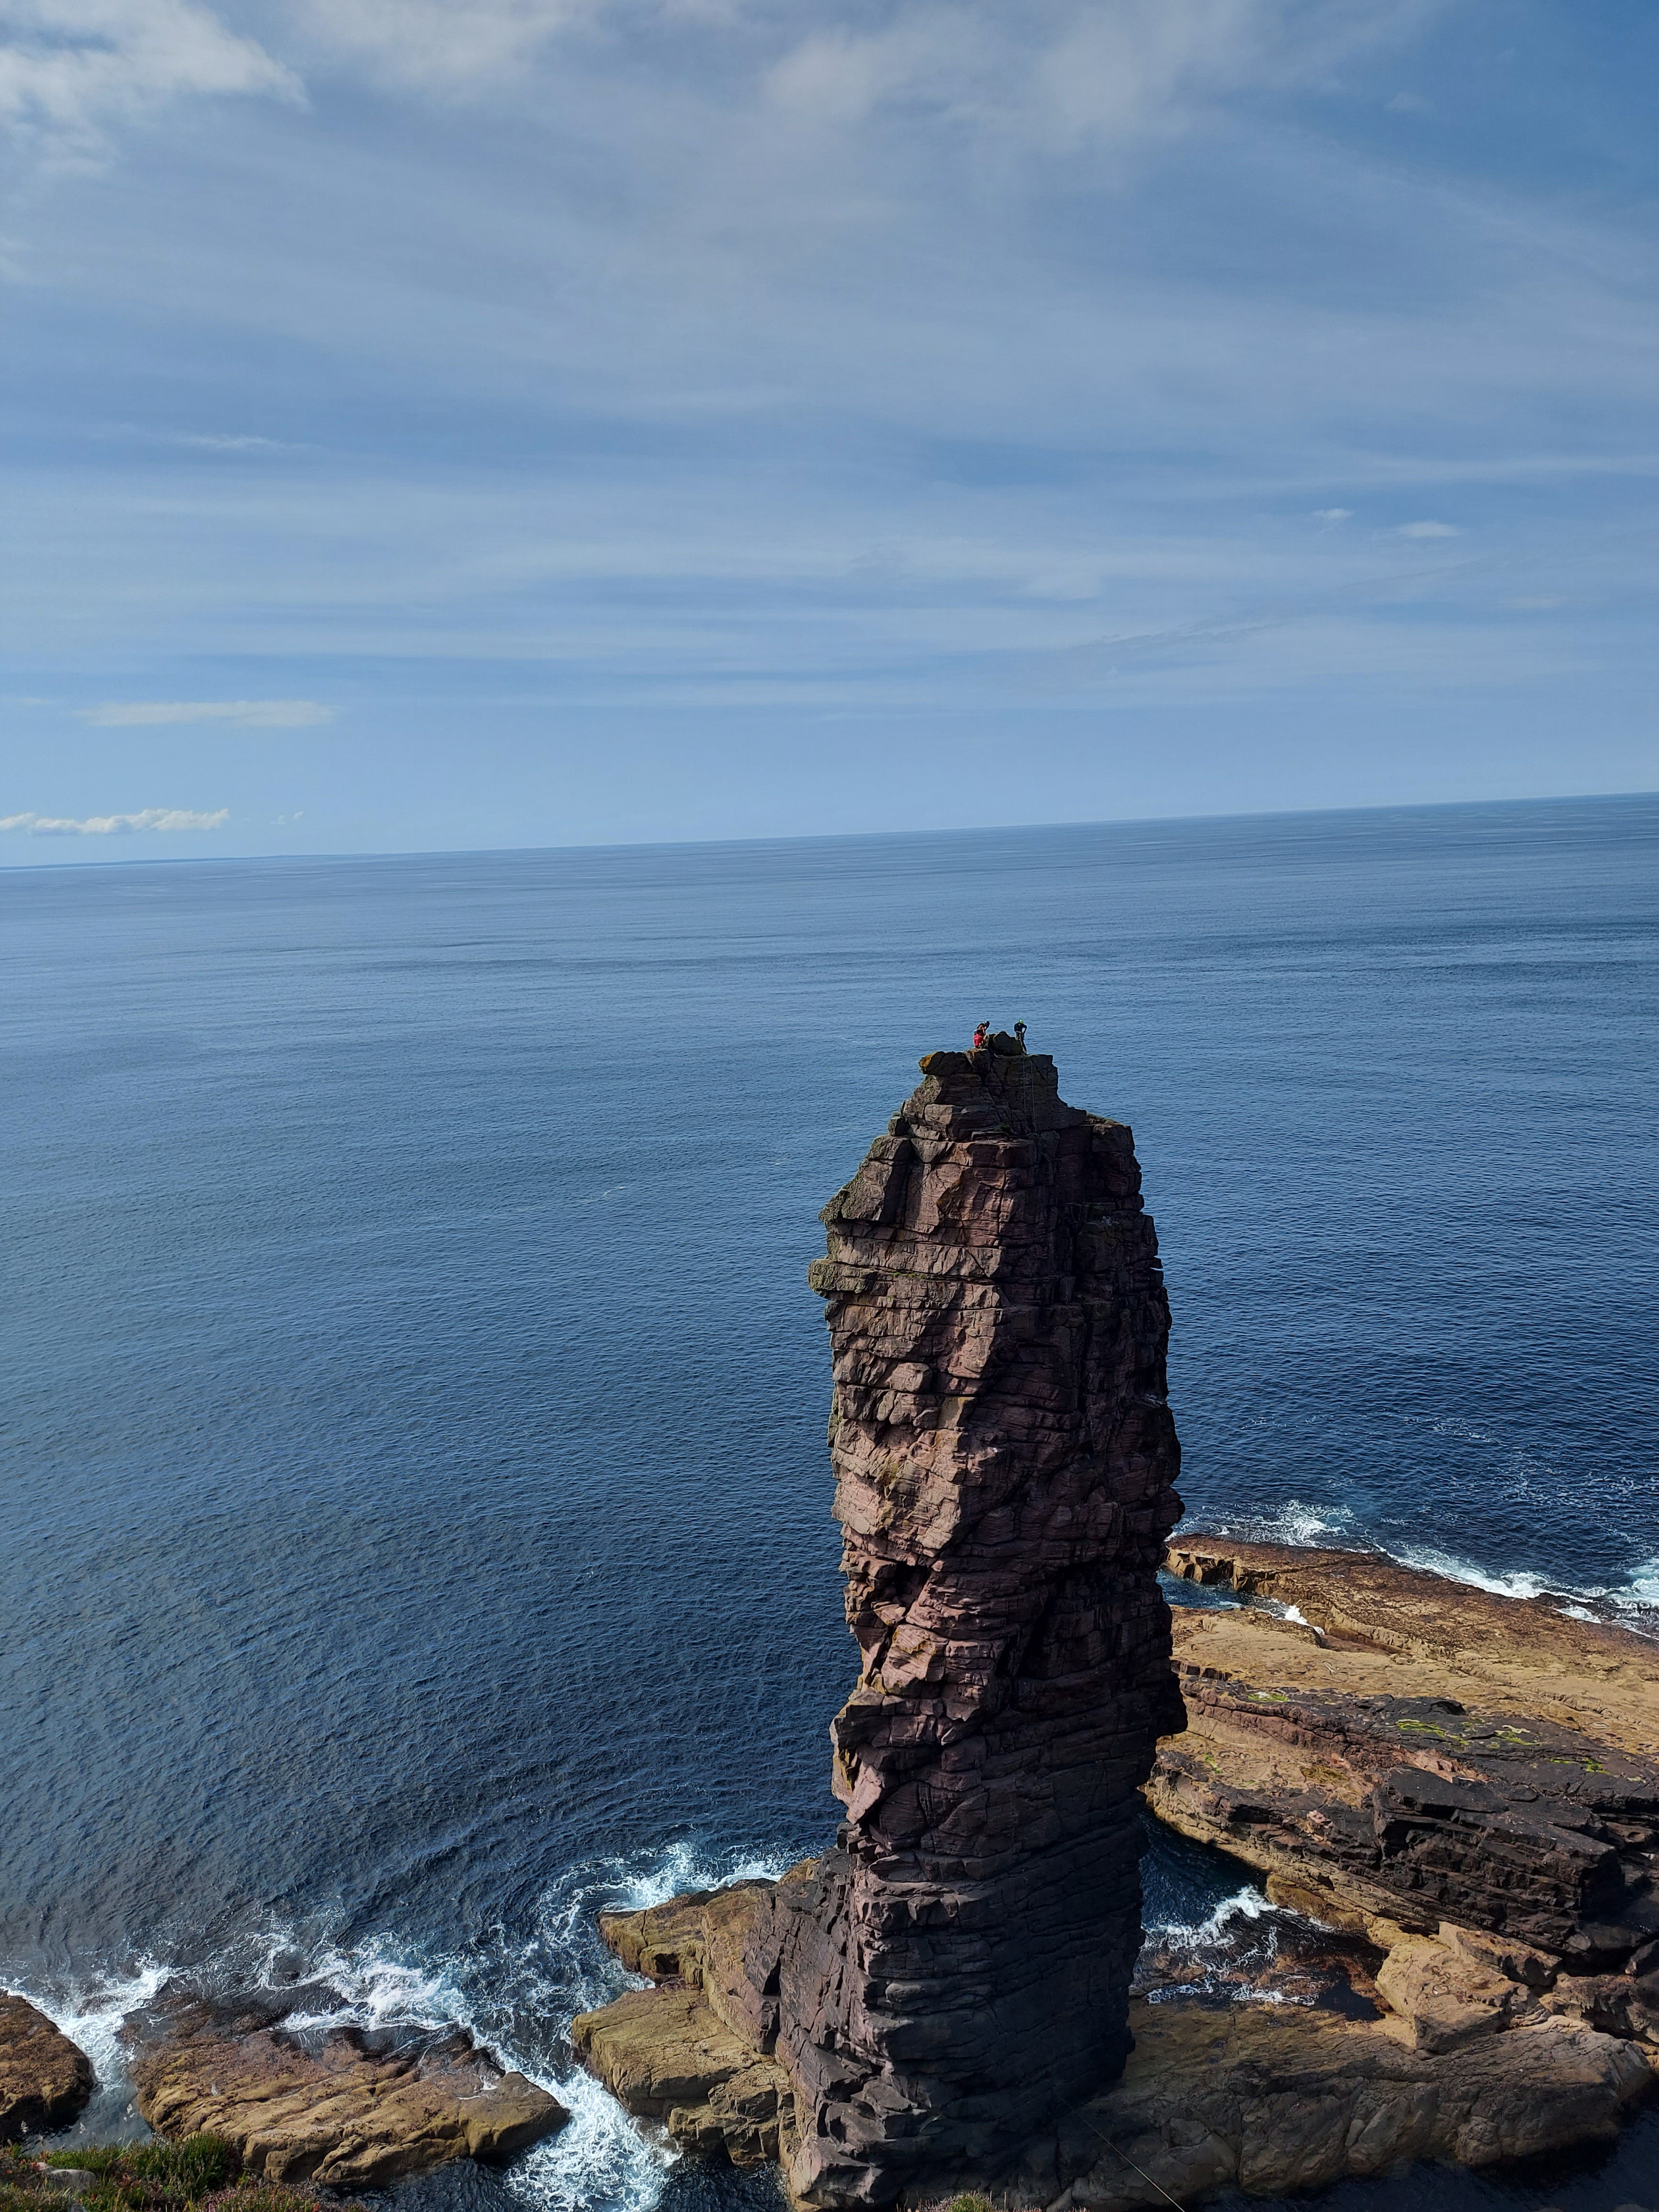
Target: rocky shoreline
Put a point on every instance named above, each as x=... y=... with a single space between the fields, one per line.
x=1451 y=1800
x=347 y=2109
x=1453 y=1797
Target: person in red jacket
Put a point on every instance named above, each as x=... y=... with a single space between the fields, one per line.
x=981 y=1037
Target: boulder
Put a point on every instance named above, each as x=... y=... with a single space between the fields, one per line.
x=347 y=2110
x=664 y=2055
x=45 y=2079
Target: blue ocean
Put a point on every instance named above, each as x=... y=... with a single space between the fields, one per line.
x=417 y=1508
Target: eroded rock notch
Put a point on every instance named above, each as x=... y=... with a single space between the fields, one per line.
x=956 y=1969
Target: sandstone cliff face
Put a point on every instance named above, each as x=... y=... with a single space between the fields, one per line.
x=1420 y=1751
x=1455 y=1799
x=957 y=1970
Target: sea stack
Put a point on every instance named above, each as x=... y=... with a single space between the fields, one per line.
x=956 y=1971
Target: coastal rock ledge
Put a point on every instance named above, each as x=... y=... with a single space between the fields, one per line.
x=45 y=2079
x=1452 y=1797
x=347 y=2109
x=1484 y=1983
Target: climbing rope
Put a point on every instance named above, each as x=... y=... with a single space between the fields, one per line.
x=1128 y=2161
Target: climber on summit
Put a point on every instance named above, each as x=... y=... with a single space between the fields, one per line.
x=1019 y=1035
x=981 y=1037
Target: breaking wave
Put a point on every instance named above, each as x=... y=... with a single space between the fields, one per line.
x=515 y=1997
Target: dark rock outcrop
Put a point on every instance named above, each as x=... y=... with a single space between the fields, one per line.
x=347 y=2110
x=1274 y=2099
x=45 y=2079
x=1358 y=2060
x=1416 y=1751
x=956 y=1969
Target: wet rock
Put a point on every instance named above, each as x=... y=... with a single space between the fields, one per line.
x=45 y=2080
x=347 y=2110
x=664 y=2055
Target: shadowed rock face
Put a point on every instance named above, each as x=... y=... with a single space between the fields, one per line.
x=957 y=1970
x=43 y=2079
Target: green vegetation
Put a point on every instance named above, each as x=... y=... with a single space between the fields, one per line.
x=201 y=2172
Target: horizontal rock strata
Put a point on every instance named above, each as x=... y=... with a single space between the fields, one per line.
x=348 y=2109
x=1273 y=2099
x=1420 y=1752
x=45 y=2079
x=689 y=2053
x=1398 y=2028
x=1270 y=2098
x=957 y=1968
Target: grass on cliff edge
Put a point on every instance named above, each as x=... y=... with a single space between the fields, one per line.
x=201 y=2172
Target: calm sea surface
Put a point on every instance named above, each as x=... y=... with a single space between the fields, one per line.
x=415 y=1502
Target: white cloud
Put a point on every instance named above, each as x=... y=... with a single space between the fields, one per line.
x=1060 y=69
x=209 y=441
x=245 y=714
x=69 y=68
x=1332 y=514
x=441 y=44
x=1059 y=73
x=1428 y=530
x=107 y=825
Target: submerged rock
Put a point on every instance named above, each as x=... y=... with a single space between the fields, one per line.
x=45 y=2079
x=347 y=2109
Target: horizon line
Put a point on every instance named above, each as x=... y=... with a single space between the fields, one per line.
x=830 y=836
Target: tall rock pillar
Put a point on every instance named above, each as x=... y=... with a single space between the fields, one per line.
x=956 y=1971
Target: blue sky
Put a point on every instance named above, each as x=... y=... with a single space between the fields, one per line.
x=477 y=422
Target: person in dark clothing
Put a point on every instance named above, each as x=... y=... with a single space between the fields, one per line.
x=1019 y=1035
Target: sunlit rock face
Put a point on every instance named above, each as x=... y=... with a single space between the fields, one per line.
x=957 y=1970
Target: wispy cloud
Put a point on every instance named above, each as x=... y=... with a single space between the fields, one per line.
x=1428 y=530
x=203 y=441
x=1067 y=72
x=244 y=714
x=109 y=825
x=71 y=67
x=448 y=44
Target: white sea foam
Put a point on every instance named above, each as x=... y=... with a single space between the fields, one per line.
x=1247 y=1904
x=91 y=2013
x=1518 y=1585
x=516 y=1998
x=1292 y=1522
x=1634 y=1604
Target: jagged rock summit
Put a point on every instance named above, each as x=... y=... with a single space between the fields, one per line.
x=954 y=1971
x=957 y=1968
